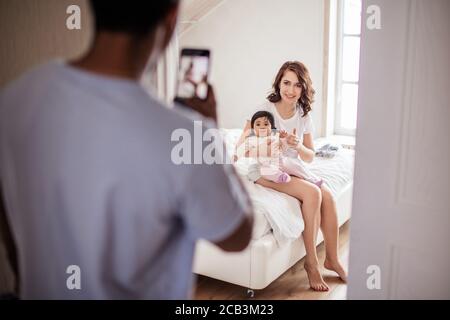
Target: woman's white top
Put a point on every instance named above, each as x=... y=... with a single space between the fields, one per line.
x=304 y=125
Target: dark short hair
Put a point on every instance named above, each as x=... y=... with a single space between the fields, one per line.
x=263 y=114
x=134 y=17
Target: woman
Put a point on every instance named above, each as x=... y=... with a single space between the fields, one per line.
x=290 y=103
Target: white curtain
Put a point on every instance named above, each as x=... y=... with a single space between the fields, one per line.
x=161 y=80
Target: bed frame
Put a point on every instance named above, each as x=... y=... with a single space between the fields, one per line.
x=263 y=261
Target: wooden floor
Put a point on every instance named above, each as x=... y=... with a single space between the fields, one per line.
x=293 y=284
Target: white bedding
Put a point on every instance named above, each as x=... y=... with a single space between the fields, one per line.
x=280 y=212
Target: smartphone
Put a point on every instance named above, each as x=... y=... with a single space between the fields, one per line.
x=193 y=73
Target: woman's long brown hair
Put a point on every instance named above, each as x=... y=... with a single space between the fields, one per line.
x=307 y=97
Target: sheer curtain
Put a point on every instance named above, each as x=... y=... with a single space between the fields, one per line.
x=160 y=80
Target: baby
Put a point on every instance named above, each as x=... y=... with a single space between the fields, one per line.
x=269 y=147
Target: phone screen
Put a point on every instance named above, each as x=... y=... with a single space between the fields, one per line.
x=193 y=73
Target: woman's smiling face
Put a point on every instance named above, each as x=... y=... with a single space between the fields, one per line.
x=290 y=87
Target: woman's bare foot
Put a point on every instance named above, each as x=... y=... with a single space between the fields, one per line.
x=335 y=265
x=315 y=278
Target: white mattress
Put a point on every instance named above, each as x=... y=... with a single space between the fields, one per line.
x=278 y=212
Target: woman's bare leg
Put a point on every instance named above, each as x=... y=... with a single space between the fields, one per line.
x=311 y=198
x=330 y=230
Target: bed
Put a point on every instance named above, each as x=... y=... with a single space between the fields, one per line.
x=276 y=243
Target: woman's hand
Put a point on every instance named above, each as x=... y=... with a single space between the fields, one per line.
x=283 y=134
x=293 y=139
x=306 y=149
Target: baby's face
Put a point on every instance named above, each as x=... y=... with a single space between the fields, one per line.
x=262 y=127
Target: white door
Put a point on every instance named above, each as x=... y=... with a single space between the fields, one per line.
x=400 y=229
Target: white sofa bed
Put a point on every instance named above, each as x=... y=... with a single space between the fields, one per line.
x=273 y=251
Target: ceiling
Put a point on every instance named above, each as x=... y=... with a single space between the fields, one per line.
x=192 y=11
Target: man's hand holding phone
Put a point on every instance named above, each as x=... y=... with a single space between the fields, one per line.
x=206 y=107
x=193 y=89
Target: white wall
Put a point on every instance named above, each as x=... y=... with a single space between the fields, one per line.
x=249 y=40
x=34 y=31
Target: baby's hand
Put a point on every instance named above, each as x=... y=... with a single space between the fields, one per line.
x=283 y=134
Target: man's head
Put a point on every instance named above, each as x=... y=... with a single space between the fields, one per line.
x=138 y=18
x=141 y=28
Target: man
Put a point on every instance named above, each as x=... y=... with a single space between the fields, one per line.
x=96 y=206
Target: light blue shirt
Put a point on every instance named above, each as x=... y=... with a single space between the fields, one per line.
x=87 y=179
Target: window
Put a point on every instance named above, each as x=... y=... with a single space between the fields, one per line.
x=347 y=66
